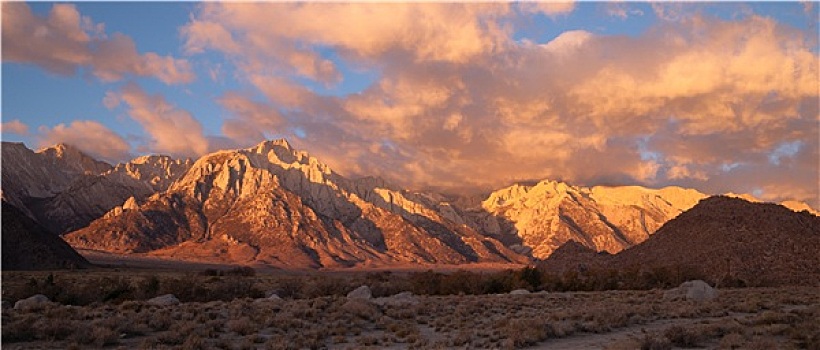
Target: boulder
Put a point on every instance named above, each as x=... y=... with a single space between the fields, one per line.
x=696 y=290
x=164 y=300
x=32 y=302
x=271 y=297
x=362 y=308
x=520 y=292
x=401 y=299
x=362 y=292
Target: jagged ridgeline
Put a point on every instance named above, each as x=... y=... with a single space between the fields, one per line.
x=273 y=204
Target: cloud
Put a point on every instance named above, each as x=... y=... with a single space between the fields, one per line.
x=253 y=119
x=14 y=126
x=674 y=105
x=90 y=137
x=549 y=8
x=282 y=36
x=66 y=41
x=172 y=130
x=621 y=10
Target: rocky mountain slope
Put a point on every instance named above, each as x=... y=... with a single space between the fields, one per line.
x=275 y=205
x=227 y=204
x=548 y=214
x=65 y=189
x=27 y=245
x=722 y=238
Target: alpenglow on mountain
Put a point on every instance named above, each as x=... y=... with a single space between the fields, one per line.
x=272 y=204
x=275 y=205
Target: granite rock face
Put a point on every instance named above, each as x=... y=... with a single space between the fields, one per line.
x=275 y=205
x=542 y=217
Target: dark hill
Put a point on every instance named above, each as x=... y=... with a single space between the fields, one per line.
x=723 y=239
x=28 y=245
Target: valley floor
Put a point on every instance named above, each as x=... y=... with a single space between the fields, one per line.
x=750 y=318
x=146 y=261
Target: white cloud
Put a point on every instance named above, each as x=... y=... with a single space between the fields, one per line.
x=90 y=137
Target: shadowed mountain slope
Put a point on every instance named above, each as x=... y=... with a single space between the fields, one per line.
x=722 y=238
x=30 y=246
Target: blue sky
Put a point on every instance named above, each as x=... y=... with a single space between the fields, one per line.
x=532 y=87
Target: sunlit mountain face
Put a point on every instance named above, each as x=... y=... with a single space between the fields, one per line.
x=463 y=98
x=274 y=205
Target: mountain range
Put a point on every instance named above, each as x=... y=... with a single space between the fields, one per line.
x=275 y=205
x=65 y=189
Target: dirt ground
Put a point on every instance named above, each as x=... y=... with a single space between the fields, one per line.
x=144 y=261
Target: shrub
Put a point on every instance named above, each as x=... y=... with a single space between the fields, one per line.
x=652 y=342
x=525 y=332
x=244 y=271
x=242 y=326
x=682 y=336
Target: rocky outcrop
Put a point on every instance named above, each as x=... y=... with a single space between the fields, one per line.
x=156 y=171
x=731 y=238
x=33 y=302
x=27 y=245
x=696 y=290
x=362 y=292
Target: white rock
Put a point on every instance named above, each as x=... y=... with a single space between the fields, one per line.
x=696 y=290
x=33 y=302
x=520 y=292
x=362 y=292
x=164 y=300
x=401 y=299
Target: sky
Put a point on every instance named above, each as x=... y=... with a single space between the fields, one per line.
x=459 y=97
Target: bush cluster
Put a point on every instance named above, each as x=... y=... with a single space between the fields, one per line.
x=243 y=282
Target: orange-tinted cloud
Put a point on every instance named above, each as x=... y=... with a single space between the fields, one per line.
x=64 y=41
x=253 y=119
x=172 y=130
x=693 y=101
x=90 y=137
x=14 y=126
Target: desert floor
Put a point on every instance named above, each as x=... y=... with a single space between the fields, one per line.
x=317 y=314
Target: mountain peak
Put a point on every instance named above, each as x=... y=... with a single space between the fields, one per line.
x=73 y=159
x=61 y=150
x=270 y=144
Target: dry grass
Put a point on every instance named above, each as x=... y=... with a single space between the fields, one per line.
x=319 y=316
